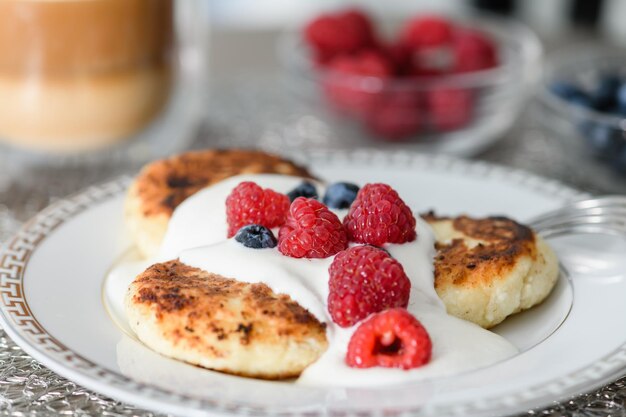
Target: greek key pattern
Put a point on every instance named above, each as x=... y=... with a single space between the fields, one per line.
x=17 y=252
x=14 y=305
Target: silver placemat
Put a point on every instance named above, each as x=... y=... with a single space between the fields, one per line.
x=29 y=389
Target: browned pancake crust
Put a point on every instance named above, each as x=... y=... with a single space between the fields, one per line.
x=163 y=185
x=189 y=303
x=503 y=242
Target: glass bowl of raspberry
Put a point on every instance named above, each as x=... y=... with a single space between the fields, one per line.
x=434 y=83
x=584 y=105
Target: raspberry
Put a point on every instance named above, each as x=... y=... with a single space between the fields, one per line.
x=311 y=231
x=391 y=339
x=428 y=32
x=379 y=216
x=346 y=32
x=449 y=109
x=370 y=62
x=396 y=116
x=400 y=55
x=473 y=51
x=365 y=280
x=360 y=23
x=346 y=93
x=423 y=72
x=248 y=203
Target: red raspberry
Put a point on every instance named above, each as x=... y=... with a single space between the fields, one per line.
x=345 y=92
x=346 y=32
x=473 y=51
x=311 y=231
x=248 y=203
x=365 y=280
x=400 y=55
x=379 y=216
x=424 y=72
x=397 y=116
x=391 y=339
x=449 y=109
x=428 y=32
x=369 y=62
x=360 y=23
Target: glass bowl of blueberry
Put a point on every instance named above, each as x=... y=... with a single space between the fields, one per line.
x=430 y=82
x=585 y=103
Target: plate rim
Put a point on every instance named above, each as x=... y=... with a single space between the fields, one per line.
x=14 y=310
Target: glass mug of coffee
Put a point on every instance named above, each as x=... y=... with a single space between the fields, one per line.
x=80 y=75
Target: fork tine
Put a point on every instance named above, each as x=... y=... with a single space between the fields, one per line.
x=581 y=230
x=590 y=218
x=603 y=215
x=605 y=205
x=609 y=200
x=615 y=226
x=618 y=223
x=618 y=202
x=592 y=213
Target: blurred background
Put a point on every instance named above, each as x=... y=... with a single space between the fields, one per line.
x=553 y=20
x=546 y=141
x=90 y=89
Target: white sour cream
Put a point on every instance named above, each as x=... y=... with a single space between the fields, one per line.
x=197 y=236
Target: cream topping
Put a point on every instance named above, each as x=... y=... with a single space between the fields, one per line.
x=197 y=235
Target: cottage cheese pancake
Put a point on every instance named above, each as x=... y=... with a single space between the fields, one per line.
x=487 y=269
x=223 y=324
x=162 y=185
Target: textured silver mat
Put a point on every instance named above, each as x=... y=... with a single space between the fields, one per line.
x=29 y=389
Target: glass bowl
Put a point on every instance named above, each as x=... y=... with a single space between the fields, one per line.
x=595 y=137
x=479 y=106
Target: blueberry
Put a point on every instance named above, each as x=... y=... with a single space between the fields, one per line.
x=619 y=162
x=621 y=99
x=582 y=100
x=306 y=189
x=256 y=237
x=340 y=195
x=603 y=140
x=565 y=90
x=604 y=97
x=570 y=93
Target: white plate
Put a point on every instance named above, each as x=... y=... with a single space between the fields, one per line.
x=51 y=277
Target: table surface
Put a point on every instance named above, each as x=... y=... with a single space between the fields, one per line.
x=236 y=119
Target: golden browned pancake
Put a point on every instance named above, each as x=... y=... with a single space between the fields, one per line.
x=487 y=269
x=222 y=324
x=162 y=185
